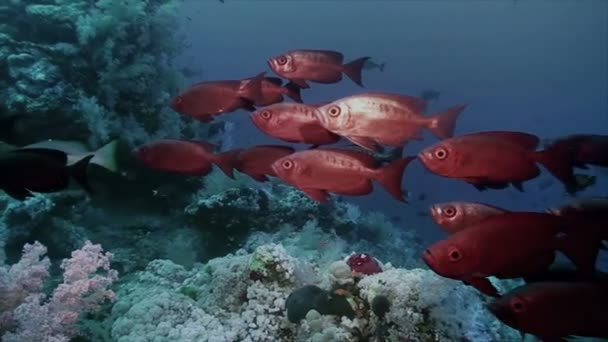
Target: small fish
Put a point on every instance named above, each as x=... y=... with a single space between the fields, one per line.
x=456 y=216
x=256 y=161
x=273 y=91
x=319 y=171
x=320 y=66
x=204 y=100
x=24 y=172
x=495 y=159
x=194 y=158
x=429 y=95
x=370 y=119
x=371 y=65
x=294 y=123
x=553 y=311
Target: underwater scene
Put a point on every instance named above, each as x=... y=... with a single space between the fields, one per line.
x=313 y=170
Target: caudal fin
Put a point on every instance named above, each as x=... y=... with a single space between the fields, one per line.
x=226 y=161
x=252 y=89
x=353 y=69
x=391 y=176
x=106 y=156
x=558 y=160
x=293 y=91
x=442 y=124
x=78 y=171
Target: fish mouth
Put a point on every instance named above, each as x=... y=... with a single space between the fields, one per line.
x=429 y=259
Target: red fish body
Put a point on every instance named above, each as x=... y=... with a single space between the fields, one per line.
x=456 y=216
x=193 y=158
x=555 y=310
x=204 y=100
x=505 y=244
x=273 y=90
x=496 y=158
x=346 y=172
x=257 y=161
x=591 y=211
x=382 y=118
x=587 y=148
x=293 y=122
x=321 y=66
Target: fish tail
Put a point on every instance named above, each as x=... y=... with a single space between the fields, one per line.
x=253 y=89
x=442 y=124
x=391 y=176
x=106 y=156
x=353 y=69
x=79 y=172
x=558 y=159
x=582 y=247
x=293 y=91
x=227 y=160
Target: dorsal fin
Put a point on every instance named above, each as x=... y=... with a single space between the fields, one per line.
x=525 y=140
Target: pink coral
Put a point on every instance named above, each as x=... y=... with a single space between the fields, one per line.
x=363 y=264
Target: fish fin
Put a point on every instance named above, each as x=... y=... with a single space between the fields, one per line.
x=382 y=65
x=18 y=193
x=353 y=69
x=252 y=90
x=274 y=80
x=106 y=156
x=518 y=185
x=391 y=176
x=558 y=160
x=316 y=194
x=365 y=142
x=59 y=156
x=227 y=160
x=259 y=177
x=483 y=285
x=293 y=91
x=300 y=83
x=248 y=105
x=442 y=124
x=581 y=247
x=79 y=172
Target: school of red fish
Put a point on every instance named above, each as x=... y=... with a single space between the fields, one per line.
x=484 y=241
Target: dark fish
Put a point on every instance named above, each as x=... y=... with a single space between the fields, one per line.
x=496 y=159
x=553 y=311
x=321 y=66
x=587 y=148
x=256 y=161
x=319 y=171
x=204 y=100
x=23 y=172
x=370 y=119
x=429 y=95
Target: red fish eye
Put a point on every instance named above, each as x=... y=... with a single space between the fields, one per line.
x=441 y=153
x=287 y=164
x=178 y=100
x=449 y=211
x=266 y=114
x=454 y=255
x=518 y=305
x=282 y=60
x=334 y=111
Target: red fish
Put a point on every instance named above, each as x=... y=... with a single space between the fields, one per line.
x=456 y=216
x=592 y=211
x=496 y=159
x=256 y=162
x=321 y=66
x=381 y=118
x=346 y=172
x=587 y=148
x=204 y=100
x=505 y=244
x=273 y=91
x=555 y=310
x=292 y=122
x=185 y=157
